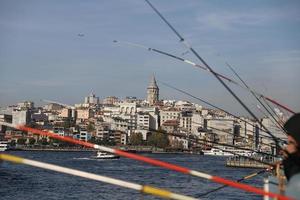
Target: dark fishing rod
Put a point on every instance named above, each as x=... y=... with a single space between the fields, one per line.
x=269 y=106
x=213 y=128
x=206 y=102
x=261 y=103
x=200 y=141
x=266 y=116
x=198 y=66
x=204 y=142
x=212 y=71
x=239 y=180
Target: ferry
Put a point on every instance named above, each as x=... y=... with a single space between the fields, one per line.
x=3 y=146
x=226 y=152
x=104 y=155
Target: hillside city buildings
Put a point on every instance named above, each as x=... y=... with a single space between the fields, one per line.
x=114 y=121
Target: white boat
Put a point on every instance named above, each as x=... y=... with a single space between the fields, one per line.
x=216 y=152
x=3 y=145
x=226 y=152
x=104 y=155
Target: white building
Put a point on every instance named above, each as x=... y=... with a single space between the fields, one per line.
x=84 y=135
x=143 y=121
x=91 y=99
x=111 y=100
x=223 y=127
x=128 y=108
x=169 y=114
x=185 y=121
x=20 y=117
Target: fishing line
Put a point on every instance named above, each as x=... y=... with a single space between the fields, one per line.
x=198 y=66
x=221 y=144
x=239 y=180
x=240 y=137
x=152 y=161
x=125 y=184
x=211 y=70
x=206 y=102
x=246 y=85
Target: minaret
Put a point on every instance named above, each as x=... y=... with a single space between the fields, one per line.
x=152 y=92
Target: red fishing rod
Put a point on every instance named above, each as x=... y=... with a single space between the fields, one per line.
x=214 y=73
x=152 y=161
x=206 y=69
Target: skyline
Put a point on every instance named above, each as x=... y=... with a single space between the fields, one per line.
x=61 y=51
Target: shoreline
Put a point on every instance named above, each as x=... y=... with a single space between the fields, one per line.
x=94 y=150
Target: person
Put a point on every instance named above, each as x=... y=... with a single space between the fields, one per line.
x=291 y=161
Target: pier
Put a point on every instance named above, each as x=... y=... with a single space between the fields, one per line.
x=243 y=162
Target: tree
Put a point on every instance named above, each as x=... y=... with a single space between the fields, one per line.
x=13 y=143
x=67 y=123
x=158 y=139
x=32 y=141
x=21 y=141
x=90 y=127
x=136 y=139
x=43 y=141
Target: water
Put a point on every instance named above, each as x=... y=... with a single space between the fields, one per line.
x=26 y=182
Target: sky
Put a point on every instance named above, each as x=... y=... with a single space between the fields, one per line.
x=63 y=50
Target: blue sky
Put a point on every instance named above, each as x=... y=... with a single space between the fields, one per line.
x=42 y=56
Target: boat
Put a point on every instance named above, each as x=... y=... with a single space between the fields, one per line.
x=104 y=155
x=226 y=152
x=3 y=146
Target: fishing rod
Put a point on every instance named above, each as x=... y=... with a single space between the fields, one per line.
x=239 y=180
x=152 y=161
x=213 y=128
x=266 y=116
x=211 y=70
x=251 y=91
x=105 y=179
x=265 y=101
x=206 y=102
x=203 y=68
x=232 y=152
x=203 y=142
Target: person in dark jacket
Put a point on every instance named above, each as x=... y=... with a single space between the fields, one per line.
x=291 y=162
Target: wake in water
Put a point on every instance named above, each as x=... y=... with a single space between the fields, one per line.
x=92 y=158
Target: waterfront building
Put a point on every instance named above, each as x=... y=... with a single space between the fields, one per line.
x=197 y=121
x=170 y=126
x=102 y=130
x=185 y=119
x=143 y=121
x=84 y=135
x=221 y=127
